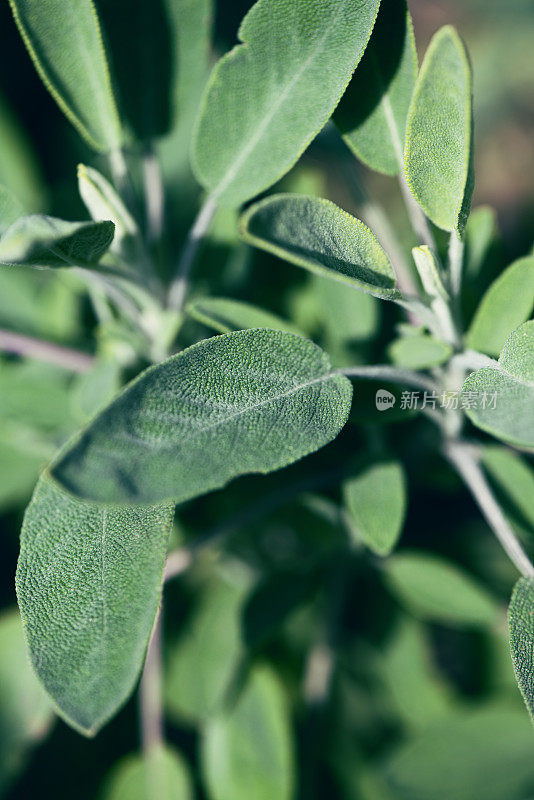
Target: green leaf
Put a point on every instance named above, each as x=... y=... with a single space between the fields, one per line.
x=315 y=234
x=37 y=394
x=25 y=713
x=269 y=96
x=161 y=774
x=500 y=399
x=437 y=590
x=65 y=44
x=41 y=241
x=142 y=48
x=254 y=400
x=204 y=661
x=507 y=303
x=346 y=316
x=419 y=352
x=372 y=113
x=438 y=152
x=514 y=477
x=20 y=171
x=482 y=753
x=247 y=752
x=376 y=500
x=225 y=315
x=10 y=209
x=104 y=204
x=88 y=584
x=521 y=623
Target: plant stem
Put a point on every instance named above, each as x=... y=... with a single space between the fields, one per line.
x=21 y=345
x=178 y=288
x=150 y=694
x=121 y=177
x=154 y=194
x=392 y=374
x=456 y=258
x=461 y=457
x=471 y=359
x=419 y=222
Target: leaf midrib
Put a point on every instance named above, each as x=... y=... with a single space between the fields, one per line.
x=234 y=168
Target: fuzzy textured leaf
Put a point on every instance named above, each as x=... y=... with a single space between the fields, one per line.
x=225 y=315
x=254 y=400
x=419 y=352
x=269 y=96
x=372 y=112
x=41 y=241
x=247 y=752
x=376 y=499
x=521 y=623
x=162 y=773
x=315 y=234
x=88 y=585
x=64 y=41
x=504 y=394
x=507 y=303
x=514 y=478
x=438 y=151
x=437 y=590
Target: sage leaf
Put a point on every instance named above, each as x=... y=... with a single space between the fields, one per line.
x=25 y=712
x=268 y=97
x=204 y=660
x=64 y=41
x=521 y=623
x=490 y=748
x=372 y=112
x=41 y=241
x=435 y=589
x=419 y=352
x=104 y=204
x=315 y=234
x=10 y=209
x=507 y=303
x=142 y=47
x=247 y=751
x=376 y=500
x=162 y=773
x=514 y=479
x=254 y=400
x=438 y=151
x=88 y=585
x=500 y=399
x=20 y=171
x=225 y=315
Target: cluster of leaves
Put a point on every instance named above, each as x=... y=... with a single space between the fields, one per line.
x=121 y=455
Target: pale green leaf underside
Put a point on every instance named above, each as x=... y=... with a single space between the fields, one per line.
x=521 y=623
x=437 y=156
x=315 y=234
x=269 y=96
x=419 y=352
x=507 y=303
x=65 y=43
x=437 y=590
x=41 y=241
x=372 y=112
x=249 y=401
x=511 y=384
x=376 y=500
x=88 y=585
x=206 y=656
x=162 y=773
x=247 y=752
x=225 y=315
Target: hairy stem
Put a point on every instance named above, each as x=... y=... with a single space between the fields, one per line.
x=150 y=693
x=21 y=345
x=392 y=374
x=121 y=177
x=154 y=195
x=200 y=227
x=467 y=465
